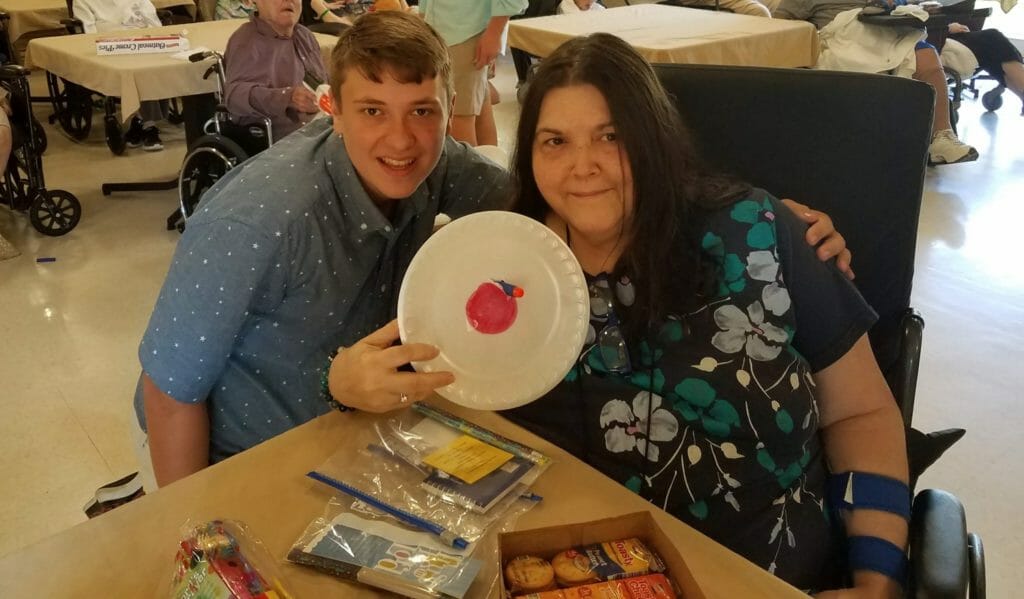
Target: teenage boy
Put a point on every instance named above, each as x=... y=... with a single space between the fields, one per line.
x=303 y=250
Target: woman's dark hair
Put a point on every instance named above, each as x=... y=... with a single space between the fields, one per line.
x=674 y=192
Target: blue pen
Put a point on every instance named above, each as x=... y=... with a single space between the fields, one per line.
x=411 y=519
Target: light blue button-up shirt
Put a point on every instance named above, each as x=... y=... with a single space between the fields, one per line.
x=286 y=260
x=459 y=20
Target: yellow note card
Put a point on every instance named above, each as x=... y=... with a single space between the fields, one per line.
x=468 y=459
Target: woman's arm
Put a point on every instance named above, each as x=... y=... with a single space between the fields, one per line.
x=863 y=432
x=324 y=13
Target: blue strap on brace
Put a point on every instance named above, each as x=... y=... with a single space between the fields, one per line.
x=863 y=490
x=877 y=555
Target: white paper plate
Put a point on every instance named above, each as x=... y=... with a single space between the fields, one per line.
x=500 y=370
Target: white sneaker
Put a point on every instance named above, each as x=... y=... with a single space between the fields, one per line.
x=947 y=149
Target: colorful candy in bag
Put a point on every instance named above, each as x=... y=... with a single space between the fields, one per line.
x=211 y=565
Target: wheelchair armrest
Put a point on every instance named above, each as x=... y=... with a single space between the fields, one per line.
x=73 y=26
x=902 y=376
x=939 y=562
x=10 y=72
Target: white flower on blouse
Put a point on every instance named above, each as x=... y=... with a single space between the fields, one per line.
x=629 y=427
x=749 y=331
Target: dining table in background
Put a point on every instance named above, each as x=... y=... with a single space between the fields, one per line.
x=36 y=18
x=671 y=34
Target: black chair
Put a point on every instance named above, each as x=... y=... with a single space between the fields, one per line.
x=811 y=136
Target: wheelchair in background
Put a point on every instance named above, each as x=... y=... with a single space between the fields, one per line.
x=52 y=212
x=224 y=145
x=74 y=105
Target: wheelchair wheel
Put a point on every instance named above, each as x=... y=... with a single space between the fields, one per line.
x=114 y=135
x=54 y=212
x=992 y=100
x=210 y=159
x=16 y=182
x=72 y=106
x=40 y=134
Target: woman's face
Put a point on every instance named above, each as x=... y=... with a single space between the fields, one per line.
x=579 y=165
x=281 y=14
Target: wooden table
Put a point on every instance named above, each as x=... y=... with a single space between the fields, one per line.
x=129 y=552
x=135 y=78
x=669 y=34
x=34 y=16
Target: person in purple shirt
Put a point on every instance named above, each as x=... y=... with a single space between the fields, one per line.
x=265 y=62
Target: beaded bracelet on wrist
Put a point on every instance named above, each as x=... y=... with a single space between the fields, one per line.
x=325 y=389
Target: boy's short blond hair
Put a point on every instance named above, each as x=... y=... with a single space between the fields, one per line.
x=398 y=43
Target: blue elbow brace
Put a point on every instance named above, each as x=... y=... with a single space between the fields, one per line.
x=877 y=555
x=862 y=490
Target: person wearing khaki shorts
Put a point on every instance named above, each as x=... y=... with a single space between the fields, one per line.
x=470 y=82
x=473 y=31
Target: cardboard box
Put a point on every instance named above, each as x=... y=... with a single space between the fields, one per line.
x=110 y=46
x=547 y=542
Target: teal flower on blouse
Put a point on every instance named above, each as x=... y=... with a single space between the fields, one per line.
x=733 y=268
x=785 y=475
x=698 y=401
x=761 y=216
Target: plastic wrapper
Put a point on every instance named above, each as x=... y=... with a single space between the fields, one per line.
x=356 y=542
x=391 y=468
x=219 y=559
x=403 y=520
x=651 y=586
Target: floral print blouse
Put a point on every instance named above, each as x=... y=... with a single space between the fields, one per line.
x=716 y=420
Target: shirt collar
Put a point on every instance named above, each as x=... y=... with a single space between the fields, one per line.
x=263 y=28
x=345 y=180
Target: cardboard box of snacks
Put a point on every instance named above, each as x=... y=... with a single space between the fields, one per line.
x=548 y=543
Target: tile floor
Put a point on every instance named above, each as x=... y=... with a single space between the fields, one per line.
x=69 y=329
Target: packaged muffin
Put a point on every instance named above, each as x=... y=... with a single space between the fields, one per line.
x=651 y=586
x=599 y=562
x=529 y=574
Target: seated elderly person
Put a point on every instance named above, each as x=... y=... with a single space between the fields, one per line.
x=995 y=54
x=265 y=63
x=830 y=15
x=98 y=16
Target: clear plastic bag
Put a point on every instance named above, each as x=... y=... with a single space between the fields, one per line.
x=403 y=523
x=354 y=542
x=219 y=559
x=391 y=473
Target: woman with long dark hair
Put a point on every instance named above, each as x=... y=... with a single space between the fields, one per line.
x=727 y=376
